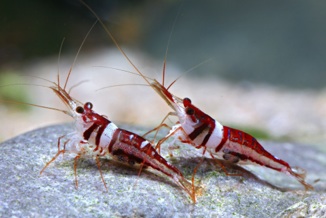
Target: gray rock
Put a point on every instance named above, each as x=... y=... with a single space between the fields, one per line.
x=26 y=193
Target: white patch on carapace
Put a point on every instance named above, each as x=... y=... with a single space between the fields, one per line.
x=200 y=138
x=143 y=144
x=184 y=119
x=187 y=125
x=215 y=138
x=131 y=137
x=107 y=134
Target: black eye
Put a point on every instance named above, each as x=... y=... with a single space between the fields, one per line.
x=80 y=110
x=190 y=111
x=89 y=105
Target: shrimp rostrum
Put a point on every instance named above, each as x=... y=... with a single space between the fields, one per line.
x=198 y=129
x=97 y=136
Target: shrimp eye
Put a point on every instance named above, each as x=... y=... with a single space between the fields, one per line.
x=80 y=110
x=89 y=105
x=190 y=111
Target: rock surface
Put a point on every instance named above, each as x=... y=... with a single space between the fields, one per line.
x=26 y=193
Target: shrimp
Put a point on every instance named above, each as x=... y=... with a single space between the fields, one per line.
x=97 y=136
x=198 y=129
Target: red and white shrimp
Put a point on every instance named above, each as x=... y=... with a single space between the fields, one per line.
x=203 y=132
x=198 y=129
x=97 y=136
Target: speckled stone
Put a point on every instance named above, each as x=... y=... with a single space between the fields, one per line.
x=26 y=193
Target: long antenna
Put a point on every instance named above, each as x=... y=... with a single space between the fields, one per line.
x=59 y=57
x=126 y=71
x=23 y=84
x=35 y=105
x=77 y=84
x=115 y=41
x=41 y=78
x=168 y=45
x=75 y=60
x=126 y=84
x=189 y=70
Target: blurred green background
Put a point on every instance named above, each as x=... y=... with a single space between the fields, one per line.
x=276 y=42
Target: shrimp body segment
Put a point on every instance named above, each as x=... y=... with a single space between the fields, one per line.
x=203 y=132
x=97 y=136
